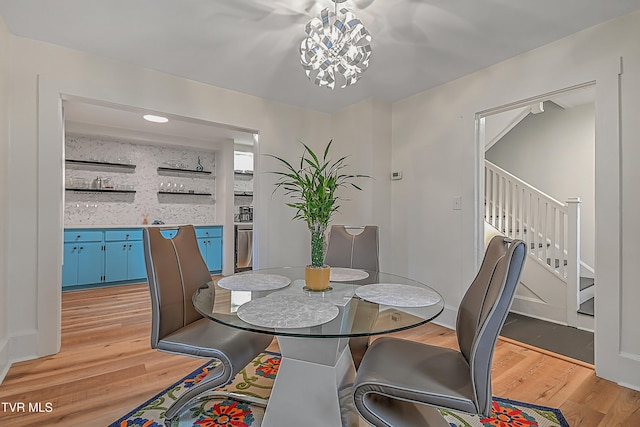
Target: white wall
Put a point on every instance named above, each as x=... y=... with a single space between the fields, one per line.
x=43 y=73
x=4 y=163
x=554 y=152
x=434 y=142
x=363 y=132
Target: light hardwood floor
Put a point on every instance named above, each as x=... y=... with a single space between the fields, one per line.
x=106 y=368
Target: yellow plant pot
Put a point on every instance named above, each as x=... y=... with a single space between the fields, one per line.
x=317 y=278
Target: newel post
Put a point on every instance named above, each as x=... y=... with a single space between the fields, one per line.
x=573 y=260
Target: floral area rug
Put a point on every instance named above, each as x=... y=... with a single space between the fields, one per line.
x=257 y=379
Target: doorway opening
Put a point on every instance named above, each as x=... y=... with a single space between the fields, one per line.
x=537 y=176
x=135 y=161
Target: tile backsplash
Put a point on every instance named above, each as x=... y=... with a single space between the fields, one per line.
x=129 y=208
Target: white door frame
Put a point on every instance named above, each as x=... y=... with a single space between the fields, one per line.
x=46 y=339
x=481 y=143
x=556 y=308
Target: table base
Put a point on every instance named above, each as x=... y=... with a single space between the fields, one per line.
x=315 y=374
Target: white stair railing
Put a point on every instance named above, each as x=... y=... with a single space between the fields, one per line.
x=521 y=211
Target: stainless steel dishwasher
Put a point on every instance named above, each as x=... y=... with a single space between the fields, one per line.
x=244 y=247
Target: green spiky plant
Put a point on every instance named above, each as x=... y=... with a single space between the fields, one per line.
x=313 y=187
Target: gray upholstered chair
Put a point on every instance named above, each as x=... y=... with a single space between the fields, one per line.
x=355 y=250
x=175 y=270
x=400 y=383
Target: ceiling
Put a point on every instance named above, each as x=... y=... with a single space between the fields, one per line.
x=251 y=46
x=116 y=121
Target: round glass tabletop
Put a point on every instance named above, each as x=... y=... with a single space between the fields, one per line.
x=386 y=303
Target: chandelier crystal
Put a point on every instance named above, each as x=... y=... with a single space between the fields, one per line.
x=337 y=48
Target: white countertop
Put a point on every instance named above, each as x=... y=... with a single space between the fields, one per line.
x=82 y=226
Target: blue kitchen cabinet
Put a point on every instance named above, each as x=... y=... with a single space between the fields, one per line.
x=124 y=256
x=210 y=244
x=98 y=257
x=102 y=256
x=90 y=263
x=136 y=268
x=83 y=257
x=116 y=255
x=70 y=266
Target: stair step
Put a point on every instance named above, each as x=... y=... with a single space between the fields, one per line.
x=586 y=282
x=587 y=308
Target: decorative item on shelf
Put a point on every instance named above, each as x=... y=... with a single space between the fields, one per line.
x=145 y=219
x=199 y=168
x=313 y=187
x=107 y=184
x=174 y=164
x=97 y=183
x=337 y=46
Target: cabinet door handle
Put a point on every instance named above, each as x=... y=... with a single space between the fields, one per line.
x=127 y=236
x=78 y=236
x=75 y=248
x=81 y=247
x=129 y=246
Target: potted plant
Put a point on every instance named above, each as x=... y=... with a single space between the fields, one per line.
x=313 y=185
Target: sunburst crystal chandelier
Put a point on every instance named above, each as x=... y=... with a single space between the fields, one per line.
x=337 y=47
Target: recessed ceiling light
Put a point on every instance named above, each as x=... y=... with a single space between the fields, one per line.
x=155 y=119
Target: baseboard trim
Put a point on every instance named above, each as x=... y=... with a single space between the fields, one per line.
x=5 y=362
x=17 y=348
x=447 y=318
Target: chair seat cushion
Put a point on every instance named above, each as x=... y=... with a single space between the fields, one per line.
x=416 y=372
x=199 y=338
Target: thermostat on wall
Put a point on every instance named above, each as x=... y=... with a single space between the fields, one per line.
x=396 y=175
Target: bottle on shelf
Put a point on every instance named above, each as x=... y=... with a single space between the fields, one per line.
x=97 y=183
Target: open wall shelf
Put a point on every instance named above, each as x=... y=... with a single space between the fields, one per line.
x=184 y=194
x=99 y=190
x=100 y=164
x=189 y=171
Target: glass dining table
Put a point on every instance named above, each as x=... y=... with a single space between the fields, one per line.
x=313 y=329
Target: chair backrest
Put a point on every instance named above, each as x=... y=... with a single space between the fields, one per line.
x=483 y=311
x=175 y=269
x=353 y=250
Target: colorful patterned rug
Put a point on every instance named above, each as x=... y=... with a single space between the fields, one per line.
x=257 y=379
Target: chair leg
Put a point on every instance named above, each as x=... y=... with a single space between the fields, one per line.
x=207 y=384
x=375 y=408
x=433 y=417
x=213 y=380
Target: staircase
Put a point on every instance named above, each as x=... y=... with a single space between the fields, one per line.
x=587 y=295
x=551 y=285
